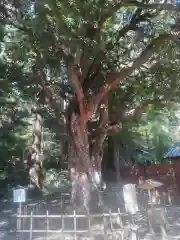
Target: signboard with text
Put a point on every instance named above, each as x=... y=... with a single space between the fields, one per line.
x=19 y=195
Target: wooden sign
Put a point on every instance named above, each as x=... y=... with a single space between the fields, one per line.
x=19 y=195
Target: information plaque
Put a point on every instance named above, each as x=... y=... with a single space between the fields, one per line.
x=19 y=195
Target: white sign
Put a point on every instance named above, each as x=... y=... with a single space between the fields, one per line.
x=19 y=195
x=130 y=198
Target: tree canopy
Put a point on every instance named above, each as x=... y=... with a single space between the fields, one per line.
x=112 y=39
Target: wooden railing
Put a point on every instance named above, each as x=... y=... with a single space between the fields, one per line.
x=70 y=226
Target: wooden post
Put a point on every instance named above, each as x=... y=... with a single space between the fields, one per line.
x=111 y=225
x=24 y=220
x=105 y=232
x=121 y=224
x=47 y=224
x=39 y=205
x=89 y=224
x=19 y=221
x=75 y=225
x=61 y=201
x=31 y=227
x=62 y=224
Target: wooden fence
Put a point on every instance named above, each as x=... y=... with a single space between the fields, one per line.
x=76 y=226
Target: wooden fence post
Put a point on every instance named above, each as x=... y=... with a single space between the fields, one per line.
x=121 y=224
x=47 y=224
x=89 y=224
x=110 y=219
x=24 y=220
x=31 y=226
x=61 y=202
x=62 y=224
x=104 y=221
x=111 y=225
x=75 y=225
x=19 y=222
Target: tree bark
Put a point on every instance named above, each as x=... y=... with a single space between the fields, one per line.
x=35 y=171
x=84 y=158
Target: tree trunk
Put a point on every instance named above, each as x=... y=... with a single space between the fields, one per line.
x=84 y=158
x=117 y=161
x=35 y=171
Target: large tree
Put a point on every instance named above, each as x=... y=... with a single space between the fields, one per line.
x=80 y=51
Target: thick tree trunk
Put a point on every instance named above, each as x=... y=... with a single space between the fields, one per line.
x=85 y=181
x=84 y=162
x=85 y=141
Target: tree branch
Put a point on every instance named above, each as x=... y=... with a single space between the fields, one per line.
x=98 y=136
x=96 y=64
x=113 y=78
x=158 y=6
x=75 y=83
x=136 y=113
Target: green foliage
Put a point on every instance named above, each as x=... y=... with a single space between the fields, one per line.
x=55 y=30
x=148 y=140
x=56 y=180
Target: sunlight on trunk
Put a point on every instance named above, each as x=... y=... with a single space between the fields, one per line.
x=84 y=158
x=83 y=186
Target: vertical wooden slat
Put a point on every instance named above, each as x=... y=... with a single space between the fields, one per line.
x=18 y=223
x=110 y=219
x=62 y=224
x=121 y=224
x=47 y=224
x=111 y=225
x=38 y=205
x=89 y=224
x=21 y=214
x=47 y=202
x=31 y=226
x=24 y=220
x=75 y=225
x=120 y=219
x=61 y=203
x=104 y=222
